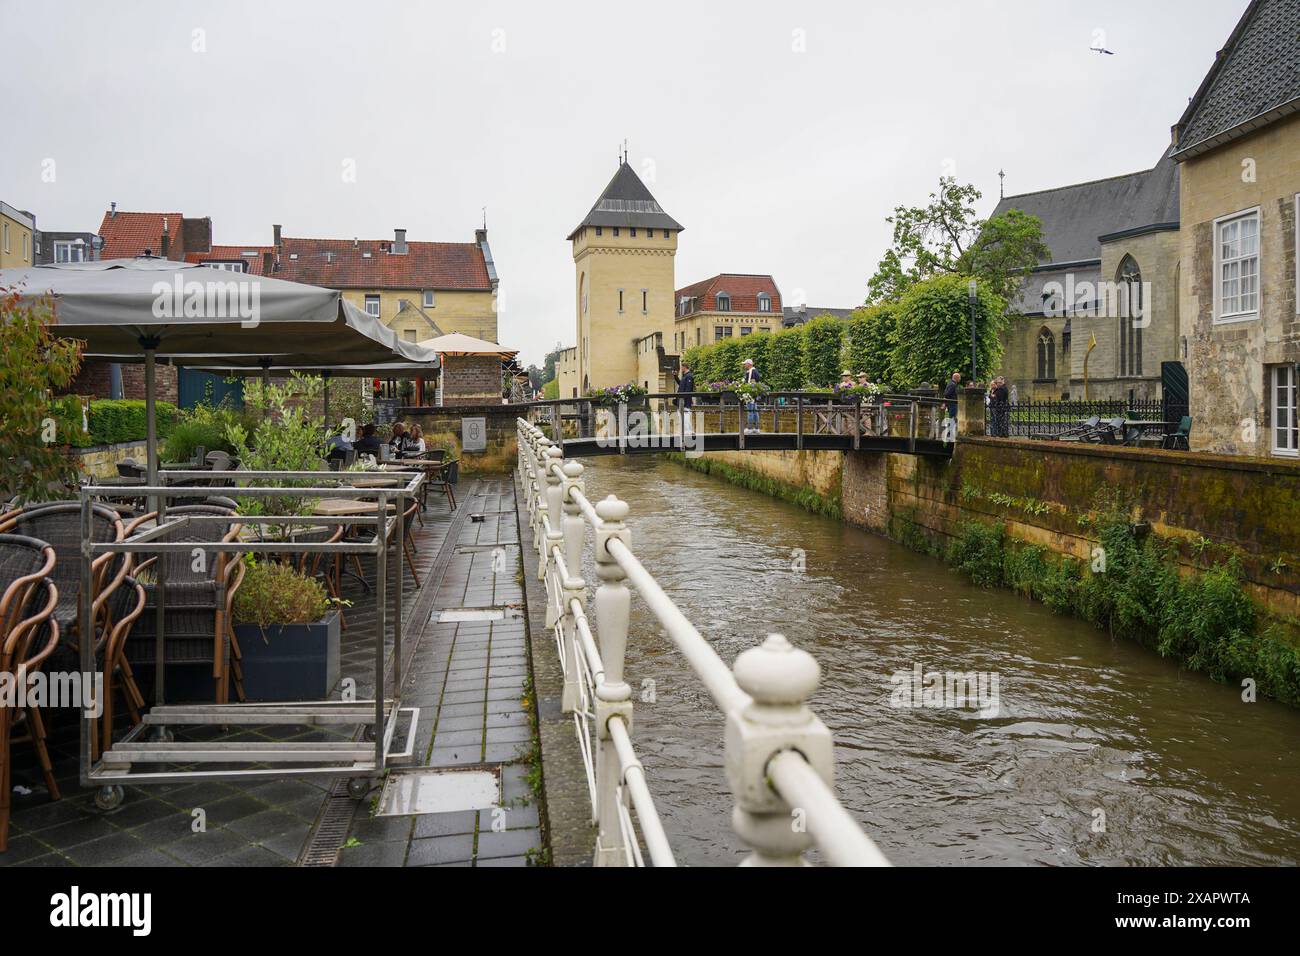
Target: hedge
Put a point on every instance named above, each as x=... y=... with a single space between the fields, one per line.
x=121 y=420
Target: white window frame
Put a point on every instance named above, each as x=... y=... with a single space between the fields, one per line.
x=27 y=257
x=6 y=237
x=240 y=267
x=718 y=300
x=428 y=299
x=1275 y=372
x=73 y=246
x=379 y=305
x=1219 y=317
x=764 y=302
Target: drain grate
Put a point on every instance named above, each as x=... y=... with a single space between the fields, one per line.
x=331 y=830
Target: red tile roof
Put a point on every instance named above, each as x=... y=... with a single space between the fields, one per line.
x=452 y=266
x=743 y=289
x=253 y=264
x=129 y=234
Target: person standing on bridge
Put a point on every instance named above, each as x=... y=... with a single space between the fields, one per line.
x=751 y=402
x=950 y=393
x=685 y=385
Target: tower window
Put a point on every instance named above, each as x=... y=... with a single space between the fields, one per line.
x=600 y=231
x=645 y=301
x=616 y=230
x=632 y=232
x=665 y=233
x=620 y=301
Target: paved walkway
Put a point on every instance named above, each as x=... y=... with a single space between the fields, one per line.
x=467 y=678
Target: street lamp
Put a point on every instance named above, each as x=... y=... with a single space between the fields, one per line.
x=974 y=372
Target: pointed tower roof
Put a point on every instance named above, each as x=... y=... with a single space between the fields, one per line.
x=627 y=202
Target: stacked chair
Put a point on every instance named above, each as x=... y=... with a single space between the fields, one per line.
x=29 y=633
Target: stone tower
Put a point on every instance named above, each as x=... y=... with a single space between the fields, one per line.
x=623 y=257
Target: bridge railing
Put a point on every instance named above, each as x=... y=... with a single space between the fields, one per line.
x=800 y=414
x=779 y=761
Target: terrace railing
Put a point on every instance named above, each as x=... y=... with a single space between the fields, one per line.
x=778 y=753
x=1050 y=419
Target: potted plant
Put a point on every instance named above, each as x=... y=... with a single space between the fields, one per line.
x=288 y=632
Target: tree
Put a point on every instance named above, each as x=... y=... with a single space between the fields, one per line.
x=932 y=338
x=548 y=364
x=821 y=354
x=868 y=342
x=35 y=463
x=785 y=360
x=946 y=238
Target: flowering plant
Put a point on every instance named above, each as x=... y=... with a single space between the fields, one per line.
x=617 y=394
x=869 y=390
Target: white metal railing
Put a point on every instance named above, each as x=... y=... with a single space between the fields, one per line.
x=778 y=753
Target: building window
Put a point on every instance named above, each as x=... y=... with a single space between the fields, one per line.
x=698 y=335
x=746 y=330
x=721 y=332
x=665 y=233
x=428 y=298
x=616 y=230
x=724 y=302
x=1046 y=355
x=764 y=302
x=600 y=231
x=1131 y=318
x=632 y=232
x=223 y=266
x=1282 y=408
x=26 y=239
x=372 y=305
x=409 y=335
x=645 y=301
x=1236 y=270
x=620 y=301
x=69 y=252
x=6 y=237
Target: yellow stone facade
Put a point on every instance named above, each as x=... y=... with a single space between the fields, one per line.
x=471 y=313
x=701 y=328
x=1229 y=363
x=17 y=237
x=624 y=288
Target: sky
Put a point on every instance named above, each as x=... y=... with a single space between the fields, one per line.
x=780 y=134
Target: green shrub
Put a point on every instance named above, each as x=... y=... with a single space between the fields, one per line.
x=977 y=553
x=123 y=419
x=868 y=345
x=785 y=360
x=274 y=593
x=932 y=336
x=204 y=426
x=551 y=389
x=822 y=339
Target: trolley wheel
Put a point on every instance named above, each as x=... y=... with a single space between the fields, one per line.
x=368 y=733
x=109 y=798
x=358 y=788
x=162 y=734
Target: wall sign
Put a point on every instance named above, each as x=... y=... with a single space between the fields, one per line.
x=473 y=434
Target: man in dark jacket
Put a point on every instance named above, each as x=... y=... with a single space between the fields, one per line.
x=950 y=393
x=686 y=385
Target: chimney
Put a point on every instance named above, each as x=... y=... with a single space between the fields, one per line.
x=356 y=243
x=480 y=236
x=166 y=238
x=277 y=244
x=112 y=210
x=399 y=242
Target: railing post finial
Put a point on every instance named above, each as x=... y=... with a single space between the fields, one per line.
x=613 y=695
x=779 y=678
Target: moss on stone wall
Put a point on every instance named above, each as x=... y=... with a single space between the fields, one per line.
x=806 y=498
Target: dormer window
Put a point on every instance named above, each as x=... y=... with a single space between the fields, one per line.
x=764 y=302
x=724 y=302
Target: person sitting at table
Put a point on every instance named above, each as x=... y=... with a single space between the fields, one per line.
x=337 y=446
x=397 y=442
x=368 y=443
x=415 y=446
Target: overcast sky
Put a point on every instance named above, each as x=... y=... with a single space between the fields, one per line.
x=780 y=134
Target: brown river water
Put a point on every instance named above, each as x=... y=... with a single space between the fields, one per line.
x=1089 y=731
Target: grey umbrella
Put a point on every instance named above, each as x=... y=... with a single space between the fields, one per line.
x=128 y=309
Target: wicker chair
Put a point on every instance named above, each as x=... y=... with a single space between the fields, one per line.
x=28 y=634
x=126 y=606
x=198 y=603
x=59 y=525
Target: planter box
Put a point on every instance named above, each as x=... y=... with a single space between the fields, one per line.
x=290 y=661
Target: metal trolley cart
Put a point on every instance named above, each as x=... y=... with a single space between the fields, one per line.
x=149 y=753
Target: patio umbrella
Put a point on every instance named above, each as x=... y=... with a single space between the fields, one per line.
x=150 y=308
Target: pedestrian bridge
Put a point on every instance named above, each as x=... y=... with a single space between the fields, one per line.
x=780 y=421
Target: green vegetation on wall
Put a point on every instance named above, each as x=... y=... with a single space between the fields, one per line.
x=123 y=420
x=1133 y=589
x=805 y=498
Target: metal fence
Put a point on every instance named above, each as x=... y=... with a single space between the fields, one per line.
x=1051 y=419
x=778 y=753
